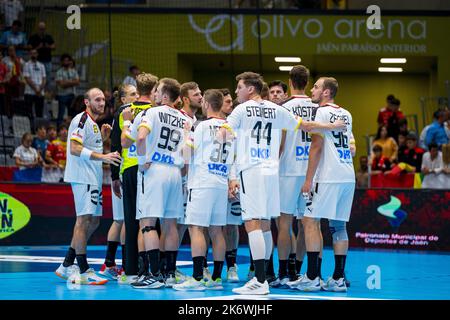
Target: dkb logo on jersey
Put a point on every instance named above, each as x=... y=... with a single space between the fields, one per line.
x=392 y=212
x=302 y=153
x=260 y=153
x=218 y=169
x=344 y=154
x=236 y=209
x=163 y=158
x=132 y=150
x=14 y=215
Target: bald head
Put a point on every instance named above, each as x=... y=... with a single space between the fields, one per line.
x=91 y=92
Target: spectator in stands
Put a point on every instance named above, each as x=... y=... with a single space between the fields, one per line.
x=44 y=44
x=56 y=157
x=380 y=163
x=131 y=78
x=67 y=80
x=278 y=91
x=3 y=81
x=11 y=10
x=25 y=155
x=392 y=107
x=447 y=122
x=394 y=120
x=411 y=159
x=436 y=132
x=14 y=84
x=15 y=37
x=432 y=167
x=402 y=128
x=362 y=176
x=388 y=144
x=35 y=79
x=51 y=133
x=402 y=142
x=40 y=142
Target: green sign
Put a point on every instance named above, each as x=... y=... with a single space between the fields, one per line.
x=14 y=215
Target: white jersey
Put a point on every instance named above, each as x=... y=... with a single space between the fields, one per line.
x=257 y=127
x=336 y=161
x=166 y=138
x=212 y=160
x=84 y=130
x=294 y=160
x=194 y=123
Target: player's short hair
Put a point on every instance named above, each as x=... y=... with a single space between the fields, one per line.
x=331 y=84
x=225 y=91
x=251 y=79
x=265 y=91
x=278 y=83
x=377 y=148
x=88 y=92
x=171 y=87
x=145 y=82
x=120 y=93
x=299 y=76
x=215 y=98
x=185 y=87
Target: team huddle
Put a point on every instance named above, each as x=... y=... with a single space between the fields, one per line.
x=245 y=163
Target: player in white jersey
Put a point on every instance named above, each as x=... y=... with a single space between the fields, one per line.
x=257 y=125
x=208 y=194
x=332 y=194
x=191 y=97
x=234 y=218
x=84 y=173
x=160 y=140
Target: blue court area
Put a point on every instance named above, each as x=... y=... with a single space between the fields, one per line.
x=27 y=273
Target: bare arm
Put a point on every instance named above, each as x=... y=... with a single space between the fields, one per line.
x=315 y=151
x=113 y=158
x=313 y=125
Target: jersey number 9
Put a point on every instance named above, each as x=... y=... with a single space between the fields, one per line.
x=170 y=139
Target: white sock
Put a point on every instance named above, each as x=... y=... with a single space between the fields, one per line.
x=257 y=244
x=269 y=244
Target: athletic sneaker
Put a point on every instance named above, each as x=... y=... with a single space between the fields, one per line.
x=89 y=277
x=149 y=282
x=63 y=272
x=270 y=278
x=180 y=277
x=280 y=283
x=253 y=287
x=190 y=284
x=171 y=280
x=111 y=273
x=206 y=274
x=295 y=283
x=306 y=284
x=250 y=275
x=335 y=285
x=213 y=284
x=138 y=278
x=232 y=274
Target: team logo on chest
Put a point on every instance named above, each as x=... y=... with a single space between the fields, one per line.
x=95 y=128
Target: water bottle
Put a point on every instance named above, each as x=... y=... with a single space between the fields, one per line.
x=74 y=279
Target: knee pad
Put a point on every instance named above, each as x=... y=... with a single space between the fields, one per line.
x=338 y=230
x=148 y=229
